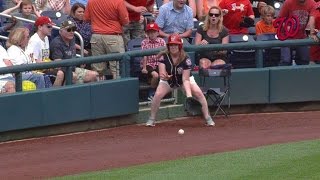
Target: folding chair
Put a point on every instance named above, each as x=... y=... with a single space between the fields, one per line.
x=217 y=95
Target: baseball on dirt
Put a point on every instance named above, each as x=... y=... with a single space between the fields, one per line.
x=181 y=131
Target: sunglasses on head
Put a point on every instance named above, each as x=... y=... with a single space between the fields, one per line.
x=73 y=29
x=215 y=15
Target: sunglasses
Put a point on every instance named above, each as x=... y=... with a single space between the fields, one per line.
x=48 y=26
x=215 y=15
x=73 y=29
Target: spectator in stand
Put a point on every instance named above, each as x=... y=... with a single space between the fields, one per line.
x=8 y=26
x=175 y=72
x=64 y=47
x=17 y=42
x=314 y=29
x=62 y=6
x=84 y=2
x=265 y=25
x=7 y=81
x=150 y=63
x=107 y=18
x=191 y=3
x=304 y=10
x=212 y=32
x=83 y=27
x=136 y=9
x=257 y=5
x=239 y=17
x=175 y=17
x=38 y=47
x=26 y=10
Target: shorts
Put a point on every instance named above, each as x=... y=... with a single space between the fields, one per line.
x=192 y=81
x=80 y=74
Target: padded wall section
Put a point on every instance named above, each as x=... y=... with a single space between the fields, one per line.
x=20 y=110
x=248 y=86
x=66 y=104
x=114 y=98
x=69 y=104
x=294 y=84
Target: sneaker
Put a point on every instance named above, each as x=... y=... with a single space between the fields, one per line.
x=150 y=123
x=210 y=122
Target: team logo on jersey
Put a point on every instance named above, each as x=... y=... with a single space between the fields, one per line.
x=240 y=7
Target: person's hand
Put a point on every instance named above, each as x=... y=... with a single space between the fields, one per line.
x=224 y=12
x=18 y=2
x=204 y=42
x=141 y=20
x=85 y=52
x=140 y=9
x=36 y=11
x=314 y=35
x=165 y=76
x=144 y=71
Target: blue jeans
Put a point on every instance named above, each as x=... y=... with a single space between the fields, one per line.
x=38 y=79
x=301 y=56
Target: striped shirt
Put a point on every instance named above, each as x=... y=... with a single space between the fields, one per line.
x=152 y=60
x=172 y=21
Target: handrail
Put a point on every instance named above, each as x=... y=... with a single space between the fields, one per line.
x=124 y=58
x=55 y=27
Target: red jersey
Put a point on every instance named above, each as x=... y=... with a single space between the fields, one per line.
x=133 y=16
x=237 y=9
x=315 y=50
x=293 y=7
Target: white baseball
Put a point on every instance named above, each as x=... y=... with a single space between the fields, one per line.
x=181 y=131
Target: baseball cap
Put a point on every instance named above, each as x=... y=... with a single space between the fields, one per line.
x=43 y=20
x=67 y=24
x=152 y=26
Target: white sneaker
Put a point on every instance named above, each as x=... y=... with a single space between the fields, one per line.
x=150 y=123
x=210 y=122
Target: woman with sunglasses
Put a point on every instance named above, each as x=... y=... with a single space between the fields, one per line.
x=212 y=32
x=175 y=72
x=83 y=27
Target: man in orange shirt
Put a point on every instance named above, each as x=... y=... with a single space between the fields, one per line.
x=107 y=18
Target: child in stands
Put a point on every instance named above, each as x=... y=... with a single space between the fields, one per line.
x=150 y=63
x=265 y=25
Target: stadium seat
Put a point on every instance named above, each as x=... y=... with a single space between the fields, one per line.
x=135 y=44
x=241 y=58
x=271 y=56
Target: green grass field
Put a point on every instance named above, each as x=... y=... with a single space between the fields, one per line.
x=299 y=160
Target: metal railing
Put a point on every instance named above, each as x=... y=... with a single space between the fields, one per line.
x=125 y=57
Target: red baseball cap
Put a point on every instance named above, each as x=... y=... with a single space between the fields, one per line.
x=43 y=20
x=152 y=26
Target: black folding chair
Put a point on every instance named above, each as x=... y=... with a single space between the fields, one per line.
x=217 y=95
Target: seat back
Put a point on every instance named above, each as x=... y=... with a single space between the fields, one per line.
x=271 y=56
x=135 y=68
x=241 y=58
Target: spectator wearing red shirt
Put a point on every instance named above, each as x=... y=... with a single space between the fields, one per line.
x=136 y=9
x=315 y=50
x=237 y=11
x=303 y=10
